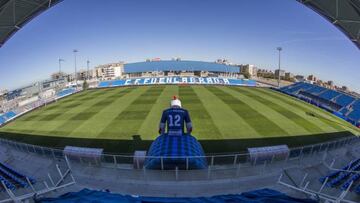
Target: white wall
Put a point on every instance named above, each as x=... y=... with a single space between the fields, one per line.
x=28 y=101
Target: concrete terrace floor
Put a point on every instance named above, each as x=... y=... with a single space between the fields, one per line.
x=223 y=179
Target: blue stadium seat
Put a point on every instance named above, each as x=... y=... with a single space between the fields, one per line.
x=357 y=189
x=344 y=100
x=343 y=175
x=316 y=90
x=9 y=115
x=258 y=196
x=342 y=105
x=8 y=184
x=287 y=87
x=353 y=179
x=356 y=105
x=329 y=94
x=16 y=179
x=65 y=92
x=14 y=172
x=295 y=88
x=118 y=83
x=104 y=84
x=344 y=111
x=336 y=173
x=2 y=120
x=354 y=115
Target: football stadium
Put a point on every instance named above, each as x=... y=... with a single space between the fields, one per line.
x=227 y=113
x=178 y=130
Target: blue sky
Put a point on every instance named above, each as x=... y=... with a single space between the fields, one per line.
x=243 y=31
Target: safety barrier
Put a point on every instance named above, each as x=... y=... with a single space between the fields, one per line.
x=130 y=161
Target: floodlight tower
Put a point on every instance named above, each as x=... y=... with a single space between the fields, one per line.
x=88 y=67
x=60 y=60
x=279 y=49
x=75 y=51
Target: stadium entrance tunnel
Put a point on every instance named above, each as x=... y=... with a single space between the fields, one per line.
x=175 y=149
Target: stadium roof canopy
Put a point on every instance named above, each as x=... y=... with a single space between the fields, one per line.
x=14 y=14
x=344 y=14
x=178 y=66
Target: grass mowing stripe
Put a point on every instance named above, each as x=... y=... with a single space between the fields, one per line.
x=149 y=128
x=298 y=108
x=92 y=127
x=60 y=108
x=77 y=119
x=260 y=123
x=289 y=126
x=128 y=122
x=55 y=108
x=302 y=106
x=309 y=126
x=225 y=119
x=204 y=127
x=279 y=120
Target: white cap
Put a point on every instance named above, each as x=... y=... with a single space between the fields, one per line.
x=175 y=102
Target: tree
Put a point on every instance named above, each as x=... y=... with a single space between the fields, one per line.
x=247 y=75
x=85 y=85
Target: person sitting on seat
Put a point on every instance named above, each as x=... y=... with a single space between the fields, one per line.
x=175 y=117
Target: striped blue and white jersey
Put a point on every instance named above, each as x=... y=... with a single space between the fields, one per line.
x=175 y=120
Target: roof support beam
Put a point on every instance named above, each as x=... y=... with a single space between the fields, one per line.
x=344 y=14
x=16 y=13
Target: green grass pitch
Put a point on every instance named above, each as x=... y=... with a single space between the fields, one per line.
x=217 y=112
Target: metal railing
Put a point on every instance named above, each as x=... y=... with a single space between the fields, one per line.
x=131 y=161
x=52 y=180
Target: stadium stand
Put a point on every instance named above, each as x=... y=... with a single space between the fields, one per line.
x=316 y=90
x=342 y=105
x=119 y=174
x=351 y=180
x=19 y=110
x=294 y=89
x=14 y=179
x=329 y=94
x=354 y=115
x=2 y=120
x=7 y=116
x=356 y=105
x=104 y=84
x=13 y=94
x=345 y=177
x=336 y=173
x=357 y=189
x=340 y=176
x=260 y=196
x=66 y=92
x=344 y=111
x=177 y=80
x=344 y=100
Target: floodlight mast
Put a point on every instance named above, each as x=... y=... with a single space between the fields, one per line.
x=75 y=51
x=60 y=60
x=88 y=67
x=279 y=77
